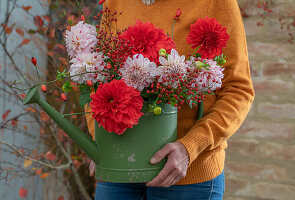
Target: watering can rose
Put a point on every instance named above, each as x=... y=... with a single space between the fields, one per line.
x=116 y=106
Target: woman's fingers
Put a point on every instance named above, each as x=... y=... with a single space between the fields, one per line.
x=91 y=168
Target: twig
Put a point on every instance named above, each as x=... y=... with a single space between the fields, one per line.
x=60 y=167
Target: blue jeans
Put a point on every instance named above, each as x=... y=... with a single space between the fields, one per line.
x=209 y=190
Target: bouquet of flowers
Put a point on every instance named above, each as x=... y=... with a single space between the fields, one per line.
x=138 y=68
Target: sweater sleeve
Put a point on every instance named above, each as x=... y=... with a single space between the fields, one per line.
x=234 y=100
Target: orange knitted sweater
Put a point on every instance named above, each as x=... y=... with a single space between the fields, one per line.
x=224 y=112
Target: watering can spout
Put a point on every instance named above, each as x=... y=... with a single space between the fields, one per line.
x=85 y=142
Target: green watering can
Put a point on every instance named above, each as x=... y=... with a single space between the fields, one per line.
x=120 y=158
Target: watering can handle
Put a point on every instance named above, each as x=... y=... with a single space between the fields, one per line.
x=85 y=142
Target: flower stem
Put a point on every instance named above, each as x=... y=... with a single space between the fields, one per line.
x=81 y=113
x=172 y=28
x=200 y=110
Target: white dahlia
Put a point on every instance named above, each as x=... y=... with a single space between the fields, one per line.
x=137 y=72
x=80 y=38
x=171 y=67
x=87 y=62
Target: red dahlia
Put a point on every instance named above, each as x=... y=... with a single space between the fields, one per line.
x=146 y=39
x=209 y=35
x=116 y=106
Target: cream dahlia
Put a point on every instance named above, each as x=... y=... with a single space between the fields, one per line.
x=137 y=72
x=80 y=38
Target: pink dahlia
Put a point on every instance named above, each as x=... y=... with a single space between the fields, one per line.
x=146 y=39
x=116 y=106
x=80 y=39
x=137 y=72
x=84 y=64
x=209 y=35
x=210 y=77
x=171 y=68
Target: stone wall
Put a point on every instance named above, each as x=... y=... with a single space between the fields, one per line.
x=260 y=161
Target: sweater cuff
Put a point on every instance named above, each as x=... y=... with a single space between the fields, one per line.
x=195 y=143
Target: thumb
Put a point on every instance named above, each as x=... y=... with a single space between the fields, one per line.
x=168 y=148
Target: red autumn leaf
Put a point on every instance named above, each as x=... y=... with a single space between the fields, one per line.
x=22 y=95
x=52 y=33
x=14 y=122
x=60 y=198
x=44 y=117
x=25 y=127
x=44 y=175
x=38 y=21
x=50 y=53
x=7 y=29
x=8 y=168
x=47 y=18
x=35 y=152
x=38 y=171
x=50 y=156
x=5 y=114
x=30 y=109
x=23 y=193
x=42 y=131
x=26 y=8
x=25 y=41
x=63 y=61
x=77 y=163
x=20 y=31
x=60 y=46
x=22 y=151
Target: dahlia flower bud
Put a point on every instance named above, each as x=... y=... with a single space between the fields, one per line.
x=157 y=110
x=162 y=52
x=199 y=65
x=221 y=61
x=83 y=17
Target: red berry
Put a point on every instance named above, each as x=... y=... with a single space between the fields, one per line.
x=89 y=83
x=34 y=61
x=178 y=13
x=63 y=96
x=43 y=88
x=109 y=66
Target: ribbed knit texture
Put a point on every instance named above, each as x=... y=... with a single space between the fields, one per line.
x=224 y=112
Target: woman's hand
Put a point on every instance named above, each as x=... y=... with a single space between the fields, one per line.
x=175 y=168
x=91 y=168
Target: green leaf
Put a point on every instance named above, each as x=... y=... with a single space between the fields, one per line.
x=85 y=96
x=67 y=87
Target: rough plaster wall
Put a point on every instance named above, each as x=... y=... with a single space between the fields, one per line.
x=38 y=189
